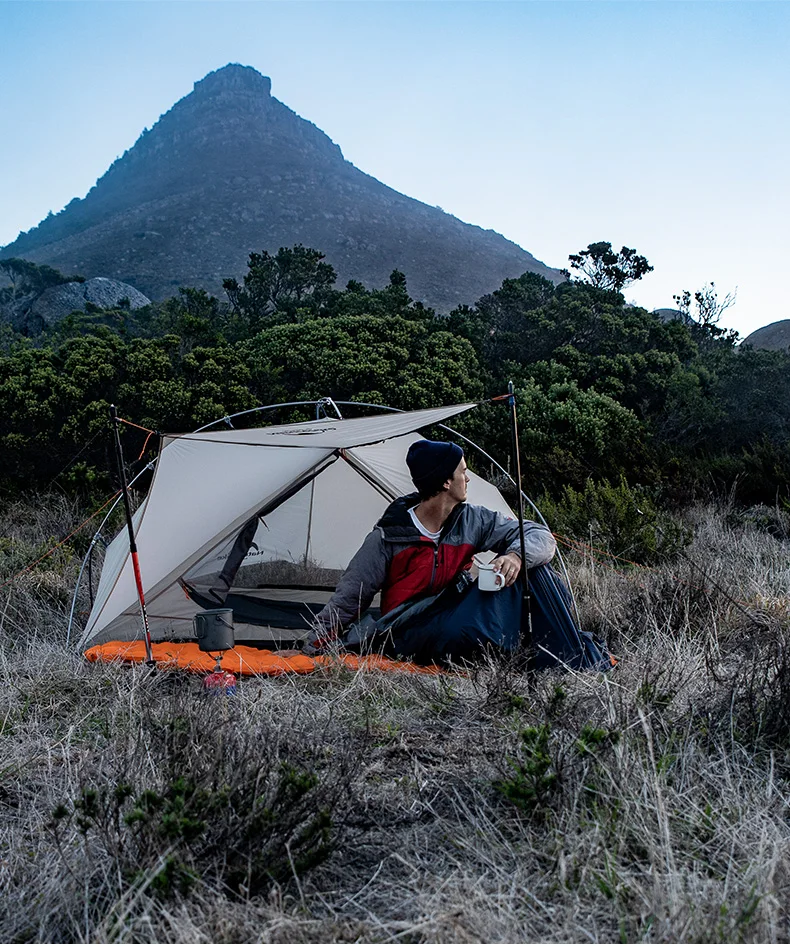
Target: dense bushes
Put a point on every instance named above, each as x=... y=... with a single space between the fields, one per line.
x=367 y=358
x=55 y=400
x=618 y=519
x=605 y=390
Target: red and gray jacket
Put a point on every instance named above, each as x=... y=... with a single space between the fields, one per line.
x=403 y=564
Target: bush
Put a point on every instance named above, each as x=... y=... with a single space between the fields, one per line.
x=246 y=832
x=619 y=519
x=213 y=805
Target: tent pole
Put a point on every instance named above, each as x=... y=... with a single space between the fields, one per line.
x=132 y=541
x=76 y=590
x=526 y=610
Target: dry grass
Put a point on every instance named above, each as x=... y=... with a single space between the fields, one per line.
x=648 y=804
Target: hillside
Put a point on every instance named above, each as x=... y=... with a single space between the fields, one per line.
x=229 y=169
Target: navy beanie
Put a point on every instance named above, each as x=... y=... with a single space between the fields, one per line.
x=432 y=462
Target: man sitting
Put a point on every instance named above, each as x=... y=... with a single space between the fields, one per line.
x=415 y=555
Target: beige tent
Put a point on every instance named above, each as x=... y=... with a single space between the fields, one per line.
x=263 y=521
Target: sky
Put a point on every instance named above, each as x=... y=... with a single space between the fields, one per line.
x=661 y=126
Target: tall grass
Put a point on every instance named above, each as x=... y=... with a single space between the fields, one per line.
x=648 y=804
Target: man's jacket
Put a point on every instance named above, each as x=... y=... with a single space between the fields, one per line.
x=404 y=565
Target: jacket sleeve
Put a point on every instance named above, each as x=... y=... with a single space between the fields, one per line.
x=356 y=589
x=500 y=535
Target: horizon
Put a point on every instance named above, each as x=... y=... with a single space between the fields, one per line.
x=698 y=210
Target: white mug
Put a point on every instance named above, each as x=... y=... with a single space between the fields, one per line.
x=488 y=579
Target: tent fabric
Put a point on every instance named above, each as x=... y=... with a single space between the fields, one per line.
x=199 y=492
x=329 y=433
x=244 y=661
x=317 y=489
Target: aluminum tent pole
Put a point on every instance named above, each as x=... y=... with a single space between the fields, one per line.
x=132 y=541
x=526 y=607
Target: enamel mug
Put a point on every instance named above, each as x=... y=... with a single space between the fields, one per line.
x=488 y=579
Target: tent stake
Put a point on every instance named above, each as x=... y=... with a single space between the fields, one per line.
x=132 y=541
x=526 y=608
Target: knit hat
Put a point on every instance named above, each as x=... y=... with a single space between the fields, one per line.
x=432 y=462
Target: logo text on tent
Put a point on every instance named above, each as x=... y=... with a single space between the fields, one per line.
x=300 y=431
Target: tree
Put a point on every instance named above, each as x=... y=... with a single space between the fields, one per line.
x=708 y=310
x=606 y=269
x=508 y=324
x=566 y=434
x=196 y=317
x=55 y=400
x=392 y=300
x=26 y=277
x=293 y=278
x=387 y=360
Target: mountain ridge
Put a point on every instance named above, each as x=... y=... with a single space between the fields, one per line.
x=228 y=170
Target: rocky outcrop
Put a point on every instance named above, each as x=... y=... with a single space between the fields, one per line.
x=57 y=302
x=230 y=169
x=32 y=311
x=773 y=337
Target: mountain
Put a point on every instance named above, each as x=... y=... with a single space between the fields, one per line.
x=774 y=337
x=230 y=169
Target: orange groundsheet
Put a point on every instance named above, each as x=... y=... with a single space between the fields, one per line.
x=243 y=661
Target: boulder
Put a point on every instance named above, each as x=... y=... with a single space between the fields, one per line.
x=59 y=301
x=773 y=337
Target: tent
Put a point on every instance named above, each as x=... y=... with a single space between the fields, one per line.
x=263 y=521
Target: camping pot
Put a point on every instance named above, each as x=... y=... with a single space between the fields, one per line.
x=214 y=629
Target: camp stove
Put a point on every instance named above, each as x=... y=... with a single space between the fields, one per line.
x=214 y=633
x=220 y=681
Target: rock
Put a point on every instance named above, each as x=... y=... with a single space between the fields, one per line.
x=673 y=315
x=59 y=301
x=773 y=337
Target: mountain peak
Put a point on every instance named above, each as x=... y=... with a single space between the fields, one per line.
x=228 y=170
x=233 y=78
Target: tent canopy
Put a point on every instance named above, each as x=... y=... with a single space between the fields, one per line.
x=262 y=520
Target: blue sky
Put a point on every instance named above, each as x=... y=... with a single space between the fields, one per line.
x=658 y=125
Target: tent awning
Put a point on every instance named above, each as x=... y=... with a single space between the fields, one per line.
x=330 y=433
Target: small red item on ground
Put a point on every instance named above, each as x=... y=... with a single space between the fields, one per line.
x=220 y=680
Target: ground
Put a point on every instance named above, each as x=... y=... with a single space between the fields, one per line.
x=645 y=804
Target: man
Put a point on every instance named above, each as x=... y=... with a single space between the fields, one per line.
x=415 y=555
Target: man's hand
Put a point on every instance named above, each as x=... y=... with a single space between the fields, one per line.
x=508 y=566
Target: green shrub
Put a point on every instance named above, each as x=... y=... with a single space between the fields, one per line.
x=617 y=518
x=215 y=807
x=260 y=830
x=533 y=778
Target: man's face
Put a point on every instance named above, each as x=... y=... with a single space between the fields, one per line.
x=457 y=484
